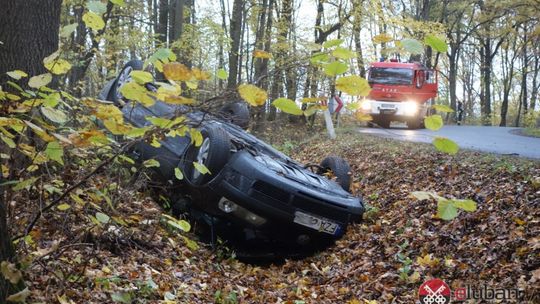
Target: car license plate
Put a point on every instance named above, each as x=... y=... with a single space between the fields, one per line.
x=315 y=222
x=388 y=106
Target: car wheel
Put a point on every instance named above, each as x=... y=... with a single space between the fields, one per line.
x=339 y=168
x=213 y=153
x=114 y=93
x=414 y=124
x=384 y=123
x=236 y=113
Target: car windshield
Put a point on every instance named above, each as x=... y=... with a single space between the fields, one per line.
x=391 y=76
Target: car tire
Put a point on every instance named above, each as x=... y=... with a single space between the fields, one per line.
x=340 y=169
x=415 y=124
x=236 y=113
x=123 y=77
x=213 y=153
x=384 y=123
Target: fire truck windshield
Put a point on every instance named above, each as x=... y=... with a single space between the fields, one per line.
x=391 y=76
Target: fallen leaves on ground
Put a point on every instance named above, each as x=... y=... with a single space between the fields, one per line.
x=384 y=259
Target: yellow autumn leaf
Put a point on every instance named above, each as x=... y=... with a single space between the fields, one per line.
x=40 y=132
x=363 y=116
x=353 y=85
x=177 y=71
x=261 y=54
x=200 y=74
x=252 y=94
x=39 y=81
x=116 y=127
x=58 y=66
x=17 y=74
x=93 y=21
x=382 y=38
x=427 y=261
x=178 y=100
x=105 y=112
x=137 y=92
x=192 y=84
x=141 y=77
x=288 y=106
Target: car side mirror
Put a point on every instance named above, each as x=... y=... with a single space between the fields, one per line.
x=420 y=78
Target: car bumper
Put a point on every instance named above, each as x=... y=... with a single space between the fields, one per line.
x=280 y=200
x=400 y=110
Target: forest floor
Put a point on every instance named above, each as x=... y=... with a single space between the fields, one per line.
x=399 y=245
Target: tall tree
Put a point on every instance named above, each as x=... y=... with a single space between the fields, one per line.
x=235 y=32
x=28 y=32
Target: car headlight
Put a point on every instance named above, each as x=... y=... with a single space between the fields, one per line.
x=410 y=107
x=230 y=207
x=366 y=105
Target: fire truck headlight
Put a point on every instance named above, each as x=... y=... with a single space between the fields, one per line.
x=410 y=107
x=366 y=105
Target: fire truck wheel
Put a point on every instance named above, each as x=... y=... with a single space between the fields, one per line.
x=384 y=123
x=415 y=124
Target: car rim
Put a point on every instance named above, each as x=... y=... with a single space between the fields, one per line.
x=124 y=78
x=202 y=156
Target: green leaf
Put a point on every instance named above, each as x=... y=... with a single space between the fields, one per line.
x=121 y=297
x=436 y=43
x=343 y=53
x=141 y=77
x=54 y=151
x=201 y=168
x=178 y=174
x=422 y=195
x=17 y=74
x=287 y=106
x=331 y=43
x=353 y=85
x=150 y=163
x=180 y=224
x=97 y=7
x=190 y=243
x=63 y=207
x=58 y=66
x=8 y=141
x=467 y=204
x=319 y=58
x=118 y=2
x=67 y=30
x=54 y=115
x=222 y=74
x=412 y=46
x=442 y=108
x=335 y=68
x=39 y=81
x=433 y=122
x=25 y=183
x=102 y=217
x=446 y=210
x=445 y=145
x=93 y=21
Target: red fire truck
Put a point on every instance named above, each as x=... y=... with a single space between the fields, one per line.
x=400 y=92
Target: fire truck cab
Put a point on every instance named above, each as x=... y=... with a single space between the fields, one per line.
x=400 y=92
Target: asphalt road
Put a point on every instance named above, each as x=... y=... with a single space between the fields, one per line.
x=488 y=139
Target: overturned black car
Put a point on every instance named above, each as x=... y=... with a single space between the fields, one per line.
x=254 y=197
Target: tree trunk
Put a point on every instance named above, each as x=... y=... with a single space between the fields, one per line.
x=29 y=32
x=235 y=33
x=357 y=28
x=163 y=22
